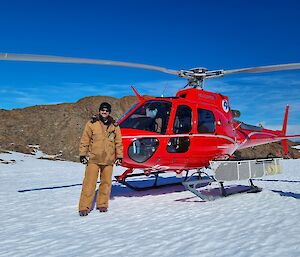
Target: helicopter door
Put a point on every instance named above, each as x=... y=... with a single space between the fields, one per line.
x=182 y=126
x=205 y=141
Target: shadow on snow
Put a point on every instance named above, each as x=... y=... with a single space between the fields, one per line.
x=287 y=194
x=276 y=180
x=119 y=190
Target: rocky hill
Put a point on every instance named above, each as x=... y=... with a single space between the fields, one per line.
x=56 y=129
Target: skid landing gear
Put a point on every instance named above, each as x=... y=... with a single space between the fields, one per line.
x=203 y=180
x=250 y=189
x=199 y=183
x=206 y=194
x=141 y=186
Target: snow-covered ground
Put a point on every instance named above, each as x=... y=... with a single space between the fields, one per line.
x=44 y=220
x=297 y=147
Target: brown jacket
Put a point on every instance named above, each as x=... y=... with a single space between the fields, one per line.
x=102 y=143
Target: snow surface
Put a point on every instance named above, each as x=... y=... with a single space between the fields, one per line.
x=297 y=147
x=161 y=222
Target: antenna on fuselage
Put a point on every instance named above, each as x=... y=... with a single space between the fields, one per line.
x=162 y=94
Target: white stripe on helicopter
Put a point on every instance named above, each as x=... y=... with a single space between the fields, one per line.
x=248 y=137
x=182 y=135
x=253 y=133
x=236 y=144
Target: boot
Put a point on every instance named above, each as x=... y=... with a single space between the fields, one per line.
x=84 y=212
x=102 y=209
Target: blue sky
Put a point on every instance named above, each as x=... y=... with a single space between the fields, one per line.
x=173 y=34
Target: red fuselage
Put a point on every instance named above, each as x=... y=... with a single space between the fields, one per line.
x=185 y=132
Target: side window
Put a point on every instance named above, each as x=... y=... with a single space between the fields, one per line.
x=183 y=120
x=206 y=121
x=178 y=145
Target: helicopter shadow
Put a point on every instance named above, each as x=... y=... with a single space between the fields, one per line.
x=123 y=191
x=282 y=193
x=119 y=190
x=277 y=180
x=287 y=194
x=165 y=185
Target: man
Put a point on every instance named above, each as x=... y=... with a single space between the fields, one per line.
x=100 y=147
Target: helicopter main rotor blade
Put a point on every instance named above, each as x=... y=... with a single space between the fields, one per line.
x=269 y=68
x=193 y=75
x=61 y=59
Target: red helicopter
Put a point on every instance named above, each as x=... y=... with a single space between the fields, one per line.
x=193 y=130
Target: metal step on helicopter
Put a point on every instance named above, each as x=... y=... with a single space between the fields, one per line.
x=193 y=130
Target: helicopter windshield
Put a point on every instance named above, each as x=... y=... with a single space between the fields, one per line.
x=151 y=116
x=128 y=111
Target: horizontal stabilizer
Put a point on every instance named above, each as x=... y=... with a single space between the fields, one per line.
x=289 y=137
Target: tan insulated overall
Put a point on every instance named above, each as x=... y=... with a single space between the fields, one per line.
x=103 y=145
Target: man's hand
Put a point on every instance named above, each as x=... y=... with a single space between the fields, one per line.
x=118 y=161
x=83 y=159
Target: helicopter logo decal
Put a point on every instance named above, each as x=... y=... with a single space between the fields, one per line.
x=225 y=105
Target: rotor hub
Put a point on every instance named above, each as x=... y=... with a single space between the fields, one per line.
x=196 y=76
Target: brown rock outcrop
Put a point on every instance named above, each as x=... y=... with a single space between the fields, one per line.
x=55 y=128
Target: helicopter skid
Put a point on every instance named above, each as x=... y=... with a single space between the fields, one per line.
x=204 y=190
x=138 y=185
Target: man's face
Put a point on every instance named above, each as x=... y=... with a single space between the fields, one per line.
x=104 y=112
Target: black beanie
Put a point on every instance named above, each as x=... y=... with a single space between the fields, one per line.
x=105 y=105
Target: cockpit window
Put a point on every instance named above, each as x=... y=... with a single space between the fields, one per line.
x=183 y=120
x=151 y=116
x=128 y=111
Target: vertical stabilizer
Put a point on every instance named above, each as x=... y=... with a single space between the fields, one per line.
x=284 y=127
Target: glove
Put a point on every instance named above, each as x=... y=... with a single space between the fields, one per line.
x=118 y=161
x=83 y=159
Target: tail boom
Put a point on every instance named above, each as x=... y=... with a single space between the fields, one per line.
x=249 y=136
